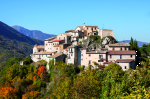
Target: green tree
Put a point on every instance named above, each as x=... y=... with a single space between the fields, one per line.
x=28 y=60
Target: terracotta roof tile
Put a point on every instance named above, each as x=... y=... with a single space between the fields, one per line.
x=57 y=40
x=56 y=45
x=70 y=31
x=94 y=52
x=56 y=55
x=125 y=60
x=130 y=52
x=119 y=44
x=44 y=53
x=90 y=25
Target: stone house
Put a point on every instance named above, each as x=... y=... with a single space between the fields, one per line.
x=38 y=48
x=95 y=56
x=72 y=55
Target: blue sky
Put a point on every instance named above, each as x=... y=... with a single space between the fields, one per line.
x=127 y=18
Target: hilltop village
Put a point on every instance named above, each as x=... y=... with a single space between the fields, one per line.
x=65 y=47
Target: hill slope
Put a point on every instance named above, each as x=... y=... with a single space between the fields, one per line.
x=13 y=43
x=32 y=33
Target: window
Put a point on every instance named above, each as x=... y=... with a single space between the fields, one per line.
x=89 y=55
x=120 y=48
x=125 y=67
x=100 y=60
x=87 y=28
x=110 y=56
x=100 y=56
x=34 y=55
x=46 y=55
x=56 y=48
x=125 y=48
x=64 y=37
x=71 y=54
x=39 y=56
x=95 y=28
x=131 y=56
x=42 y=55
x=120 y=56
x=89 y=62
x=113 y=48
x=59 y=38
x=53 y=43
x=81 y=54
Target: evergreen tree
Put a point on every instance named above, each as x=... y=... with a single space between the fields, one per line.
x=131 y=43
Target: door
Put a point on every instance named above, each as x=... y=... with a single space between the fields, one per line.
x=120 y=56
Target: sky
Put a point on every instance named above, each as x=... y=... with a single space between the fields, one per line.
x=127 y=18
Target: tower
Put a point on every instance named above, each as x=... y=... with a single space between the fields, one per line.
x=83 y=25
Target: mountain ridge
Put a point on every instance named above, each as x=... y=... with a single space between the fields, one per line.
x=140 y=43
x=37 y=34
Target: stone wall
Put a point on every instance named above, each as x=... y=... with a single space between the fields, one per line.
x=107 y=32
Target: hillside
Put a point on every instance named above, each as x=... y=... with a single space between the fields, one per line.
x=14 y=44
x=32 y=33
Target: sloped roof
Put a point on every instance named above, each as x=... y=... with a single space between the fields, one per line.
x=57 y=40
x=40 y=46
x=124 y=60
x=90 y=25
x=119 y=44
x=94 y=52
x=130 y=52
x=70 y=31
x=50 y=39
x=56 y=55
x=44 y=53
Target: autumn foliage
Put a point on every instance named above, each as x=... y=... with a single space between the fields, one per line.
x=41 y=69
x=8 y=92
x=31 y=95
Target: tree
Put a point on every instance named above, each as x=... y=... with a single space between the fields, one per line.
x=28 y=60
x=131 y=43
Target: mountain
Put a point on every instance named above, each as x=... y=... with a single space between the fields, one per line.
x=33 y=33
x=139 y=42
x=14 y=44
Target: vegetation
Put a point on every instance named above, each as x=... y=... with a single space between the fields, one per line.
x=14 y=44
x=67 y=81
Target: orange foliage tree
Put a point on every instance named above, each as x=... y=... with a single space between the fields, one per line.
x=31 y=95
x=9 y=92
x=41 y=69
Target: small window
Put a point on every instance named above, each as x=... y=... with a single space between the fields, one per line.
x=131 y=56
x=89 y=62
x=71 y=54
x=120 y=48
x=110 y=56
x=34 y=55
x=81 y=54
x=64 y=37
x=46 y=55
x=125 y=48
x=95 y=28
x=113 y=48
x=100 y=56
x=120 y=56
x=89 y=55
x=42 y=55
x=125 y=67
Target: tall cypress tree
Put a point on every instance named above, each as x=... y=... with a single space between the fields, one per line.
x=131 y=43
